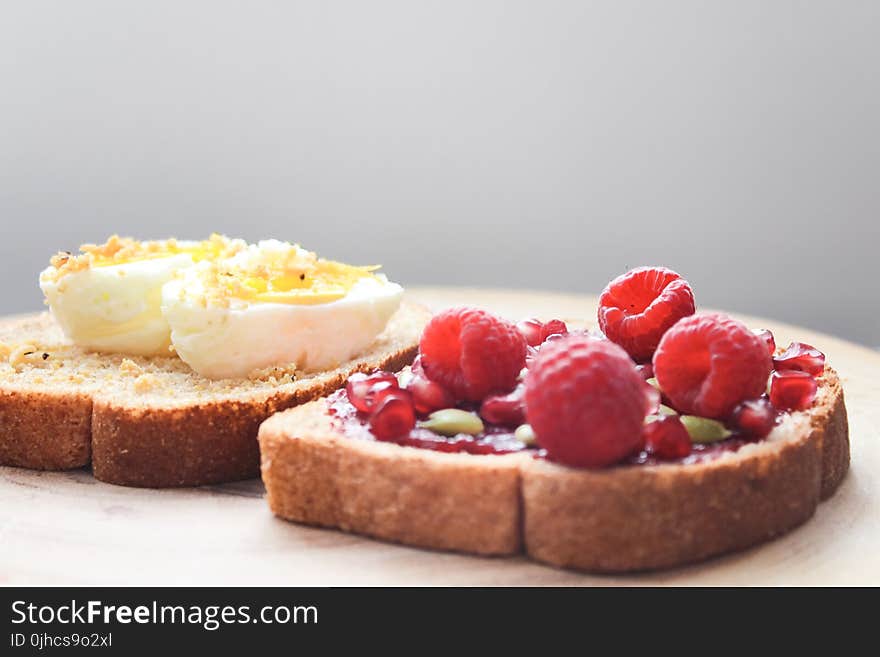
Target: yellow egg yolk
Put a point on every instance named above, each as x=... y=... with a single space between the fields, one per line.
x=322 y=281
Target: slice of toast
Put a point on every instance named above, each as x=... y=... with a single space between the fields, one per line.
x=619 y=519
x=153 y=422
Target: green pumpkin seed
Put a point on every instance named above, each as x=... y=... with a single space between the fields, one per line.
x=704 y=430
x=453 y=421
x=525 y=434
x=664 y=411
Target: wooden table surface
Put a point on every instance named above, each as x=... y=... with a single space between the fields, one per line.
x=67 y=528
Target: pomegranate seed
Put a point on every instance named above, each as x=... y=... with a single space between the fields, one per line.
x=666 y=438
x=531 y=352
x=802 y=357
x=507 y=410
x=532 y=330
x=429 y=396
x=767 y=337
x=755 y=417
x=553 y=337
x=792 y=390
x=646 y=370
x=363 y=389
x=555 y=327
x=393 y=416
x=537 y=332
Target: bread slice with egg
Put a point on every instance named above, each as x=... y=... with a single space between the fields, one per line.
x=151 y=421
x=620 y=519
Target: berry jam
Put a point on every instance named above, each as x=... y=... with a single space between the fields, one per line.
x=700 y=453
x=498 y=439
x=493 y=440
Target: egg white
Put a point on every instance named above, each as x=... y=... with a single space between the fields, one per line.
x=233 y=342
x=115 y=308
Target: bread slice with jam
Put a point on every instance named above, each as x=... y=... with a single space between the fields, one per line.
x=322 y=467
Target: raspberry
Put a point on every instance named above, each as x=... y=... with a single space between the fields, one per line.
x=707 y=364
x=768 y=338
x=585 y=401
x=637 y=308
x=472 y=353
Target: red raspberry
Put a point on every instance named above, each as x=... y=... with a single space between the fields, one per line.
x=637 y=308
x=585 y=401
x=768 y=338
x=472 y=353
x=707 y=364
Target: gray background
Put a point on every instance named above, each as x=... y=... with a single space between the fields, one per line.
x=529 y=144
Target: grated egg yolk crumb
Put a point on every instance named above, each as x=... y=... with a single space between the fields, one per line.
x=122 y=250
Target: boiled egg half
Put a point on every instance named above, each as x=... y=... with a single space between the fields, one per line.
x=275 y=304
x=108 y=297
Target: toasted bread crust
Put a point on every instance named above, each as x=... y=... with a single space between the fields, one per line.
x=616 y=520
x=197 y=445
x=831 y=430
x=319 y=477
x=628 y=519
x=162 y=447
x=45 y=430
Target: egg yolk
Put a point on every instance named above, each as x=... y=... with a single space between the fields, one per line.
x=323 y=281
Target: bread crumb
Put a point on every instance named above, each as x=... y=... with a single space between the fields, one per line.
x=275 y=375
x=5 y=350
x=145 y=382
x=21 y=356
x=129 y=368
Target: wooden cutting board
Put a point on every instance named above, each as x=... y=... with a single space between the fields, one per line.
x=67 y=528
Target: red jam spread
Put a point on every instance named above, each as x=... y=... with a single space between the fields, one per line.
x=496 y=439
